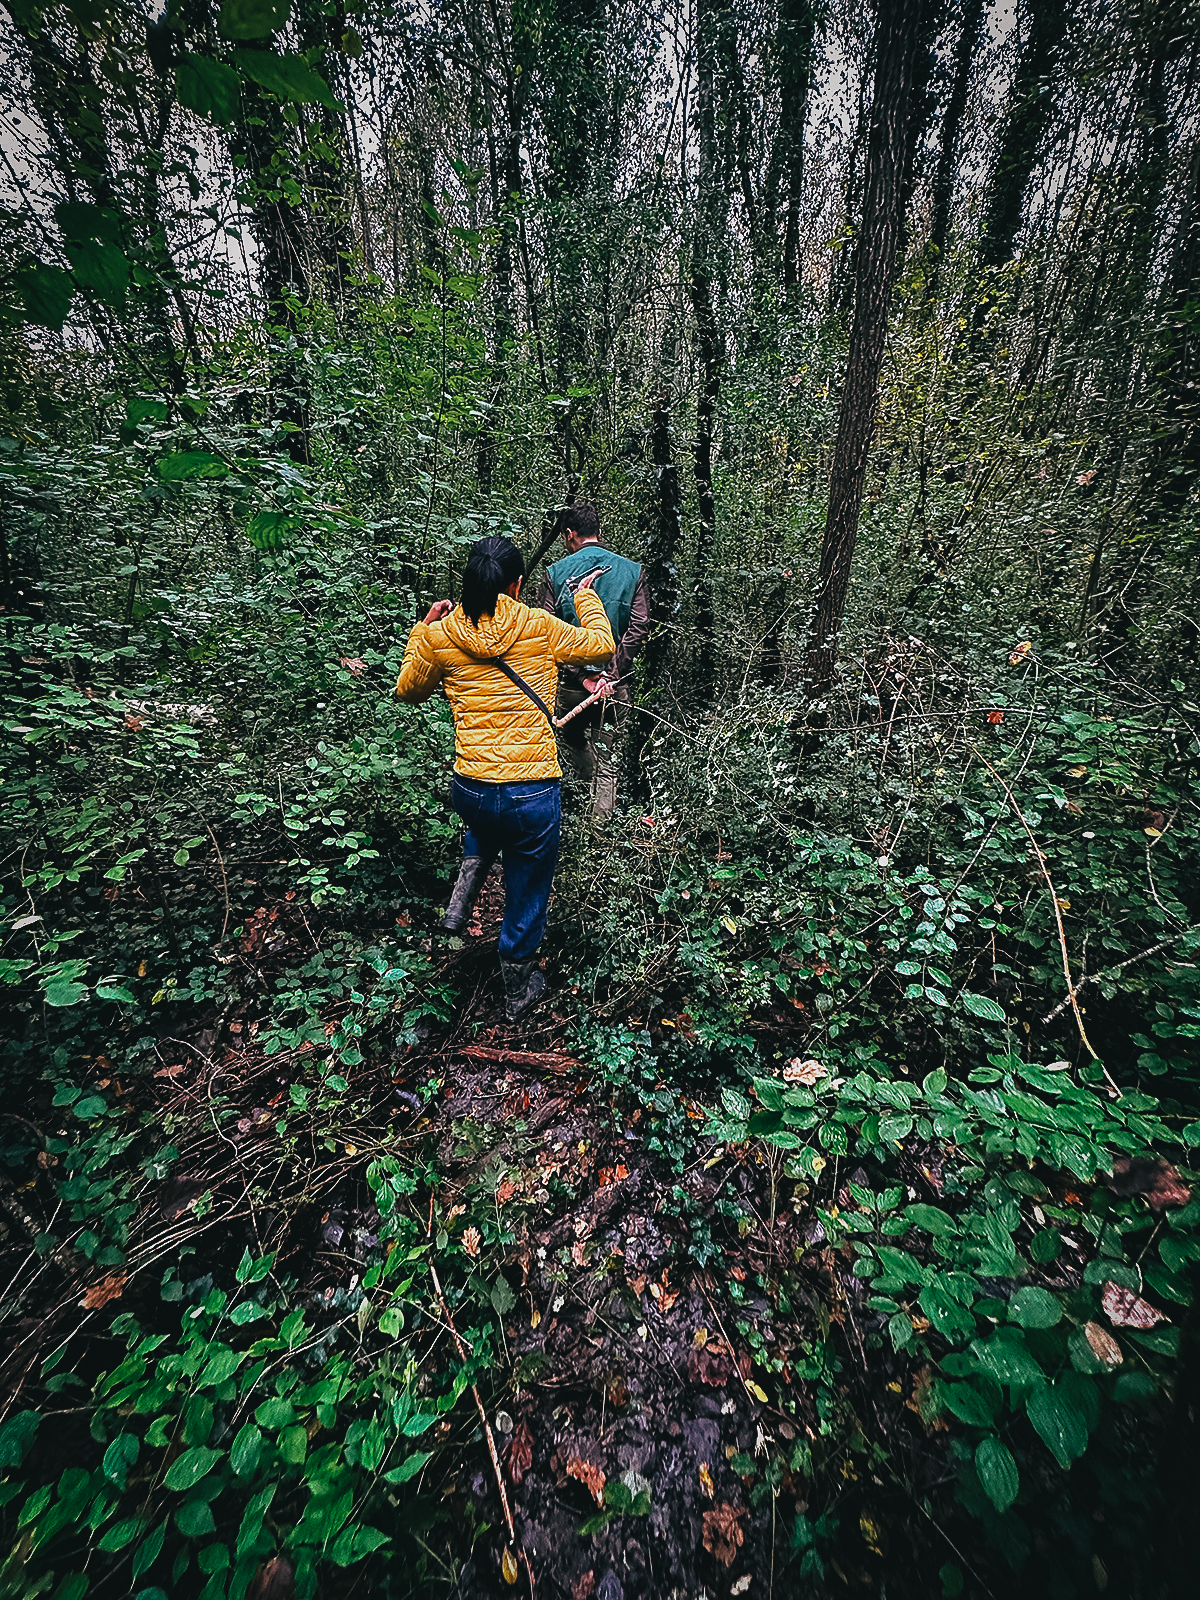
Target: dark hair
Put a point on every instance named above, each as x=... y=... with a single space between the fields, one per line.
x=493 y=565
x=582 y=519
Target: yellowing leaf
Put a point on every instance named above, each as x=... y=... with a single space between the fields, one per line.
x=729 y=924
x=508 y=1566
x=706 y=1480
x=759 y=1393
x=699 y=1338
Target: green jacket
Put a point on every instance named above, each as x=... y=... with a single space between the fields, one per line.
x=614 y=586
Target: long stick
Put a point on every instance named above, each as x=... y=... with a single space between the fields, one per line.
x=487 y=1427
x=1072 y=994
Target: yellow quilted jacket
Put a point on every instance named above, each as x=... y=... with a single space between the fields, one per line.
x=500 y=736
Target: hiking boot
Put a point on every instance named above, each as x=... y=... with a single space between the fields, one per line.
x=465 y=892
x=524 y=986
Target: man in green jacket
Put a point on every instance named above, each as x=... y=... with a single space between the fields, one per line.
x=591 y=739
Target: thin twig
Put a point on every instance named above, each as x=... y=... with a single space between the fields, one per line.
x=1142 y=955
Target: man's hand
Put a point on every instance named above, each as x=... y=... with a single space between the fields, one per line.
x=589 y=581
x=438 y=610
x=600 y=685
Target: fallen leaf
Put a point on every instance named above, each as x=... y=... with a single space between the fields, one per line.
x=741 y=1584
x=995 y=717
x=352 y=664
x=722 y=1536
x=664 y=1297
x=508 y=1566
x=648 y=822
x=101 y=1293
x=637 y=1284
x=505 y=1192
x=578 y=1252
x=1158 y=1181
x=588 y=1474
x=709 y=1365
x=134 y=724
x=169 y=1072
x=759 y=1393
x=806 y=1072
x=1018 y=655
x=699 y=1338
x=706 y=1480
x=519 y=1455
x=1125 y=1310
x=584 y=1586
x=472 y=1239
x=351 y=1149
x=1104 y=1347
x=535 y=1319
x=274 y=1580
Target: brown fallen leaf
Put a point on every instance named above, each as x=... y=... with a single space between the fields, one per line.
x=584 y=1586
x=638 y=1283
x=352 y=664
x=169 y=1072
x=1125 y=1309
x=664 y=1296
x=806 y=1072
x=110 y=1288
x=709 y=1364
x=1158 y=1181
x=519 y=1455
x=1104 y=1347
x=472 y=1239
x=722 y=1536
x=588 y=1474
x=505 y=1192
x=274 y=1580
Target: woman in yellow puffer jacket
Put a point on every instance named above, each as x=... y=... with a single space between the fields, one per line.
x=506 y=774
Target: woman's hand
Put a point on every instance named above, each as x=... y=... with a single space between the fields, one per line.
x=590 y=581
x=438 y=610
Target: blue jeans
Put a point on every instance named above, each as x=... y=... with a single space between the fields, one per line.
x=521 y=822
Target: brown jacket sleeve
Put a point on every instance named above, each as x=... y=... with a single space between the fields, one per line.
x=546 y=598
x=634 y=637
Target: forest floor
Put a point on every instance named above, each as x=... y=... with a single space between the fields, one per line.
x=629 y=1338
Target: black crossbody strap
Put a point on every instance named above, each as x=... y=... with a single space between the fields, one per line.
x=526 y=689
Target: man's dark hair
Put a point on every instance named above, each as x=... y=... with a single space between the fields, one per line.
x=493 y=565
x=582 y=519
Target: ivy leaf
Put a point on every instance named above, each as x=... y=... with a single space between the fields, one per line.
x=253 y=19
x=191 y=1466
x=1034 y=1308
x=209 y=88
x=290 y=77
x=997 y=1472
x=979 y=1005
x=1059 y=1423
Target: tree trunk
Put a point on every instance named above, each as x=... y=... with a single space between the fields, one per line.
x=1030 y=108
x=956 y=105
x=797 y=38
x=877 y=255
x=706 y=235
x=662 y=543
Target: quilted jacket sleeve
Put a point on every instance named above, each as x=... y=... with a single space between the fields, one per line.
x=593 y=641
x=421 y=672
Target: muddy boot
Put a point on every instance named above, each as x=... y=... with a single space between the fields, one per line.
x=465 y=892
x=524 y=986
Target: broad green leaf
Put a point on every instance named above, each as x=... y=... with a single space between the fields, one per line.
x=275 y=1413
x=968 y=1404
x=293 y=1445
x=146 y=1553
x=16 y=1435
x=931 y=1219
x=900 y=1330
x=121 y=1534
x=252 y=1519
x=185 y=464
x=947 y=1316
x=1034 y=1308
x=121 y=1454
x=408 y=1468
x=935 y=1083
x=1059 y=1423
x=115 y=991
x=63 y=992
x=1046 y=1245
x=100 y=267
x=194 y=1519
x=45 y=293
x=208 y=87
x=93 y=1106
x=979 y=1005
x=290 y=77
x=253 y=1271
x=73 y=1587
x=247 y=1448
x=191 y=1466
x=1005 y=1357
x=266 y=530
x=253 y=19
x=997 y=1472
x=502 y=1297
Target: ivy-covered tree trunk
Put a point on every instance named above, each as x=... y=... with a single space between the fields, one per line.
x=876 y=256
